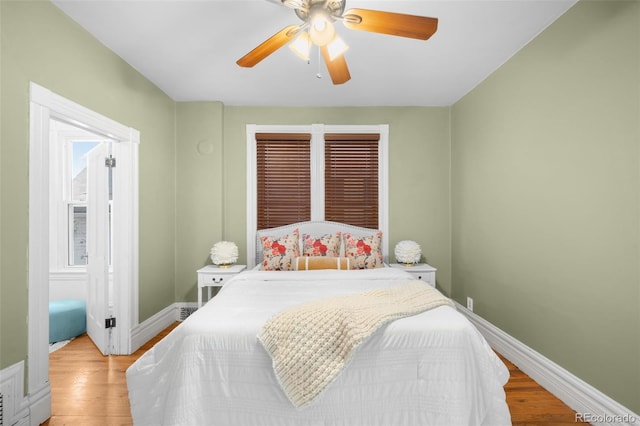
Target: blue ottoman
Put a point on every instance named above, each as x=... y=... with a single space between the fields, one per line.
x=67 y=319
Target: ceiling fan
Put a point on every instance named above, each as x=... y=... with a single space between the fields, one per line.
x=317 y=29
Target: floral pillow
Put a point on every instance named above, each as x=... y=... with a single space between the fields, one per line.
x=279 y=254
x=325 y=245
x=364 y=252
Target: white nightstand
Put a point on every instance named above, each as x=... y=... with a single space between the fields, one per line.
x=420 y=271
x=215 y=276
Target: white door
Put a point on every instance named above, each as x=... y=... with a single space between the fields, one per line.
x=98 y=240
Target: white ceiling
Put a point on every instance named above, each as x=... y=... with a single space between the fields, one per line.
x=188 y=48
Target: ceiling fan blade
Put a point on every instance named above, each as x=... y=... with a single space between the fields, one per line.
x=292 y=4
x=269 y=46
x=338 y=69
x=398 y=24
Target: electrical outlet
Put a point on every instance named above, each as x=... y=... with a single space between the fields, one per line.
x=470 y=304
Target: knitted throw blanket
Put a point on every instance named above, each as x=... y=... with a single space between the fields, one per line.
x=311 y=343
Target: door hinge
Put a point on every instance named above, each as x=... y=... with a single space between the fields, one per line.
x=109 y=322
x=110 y=161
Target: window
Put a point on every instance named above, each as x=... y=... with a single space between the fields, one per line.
x=75 y=199
x=283 y=178
x=71 y=146
x=75 y=176
x=77 y=235
x=351 y=178
x=317 y=172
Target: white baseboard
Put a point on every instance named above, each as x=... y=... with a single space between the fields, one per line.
x=589 y=403
x=148 y=329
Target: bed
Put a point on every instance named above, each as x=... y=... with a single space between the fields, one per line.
x=429 y=368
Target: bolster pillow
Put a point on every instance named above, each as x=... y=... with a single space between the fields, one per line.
x=308 y=263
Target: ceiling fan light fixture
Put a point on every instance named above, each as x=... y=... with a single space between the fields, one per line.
x=336 y=47
x=301 y=46
x=321 y=29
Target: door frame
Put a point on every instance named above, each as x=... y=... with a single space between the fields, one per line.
x=45 y=105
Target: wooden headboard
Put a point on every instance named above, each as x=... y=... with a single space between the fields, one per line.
x=254 y=254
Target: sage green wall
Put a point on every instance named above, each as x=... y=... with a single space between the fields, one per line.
x=41 y=44
x=418 y=171
x=199 y=186
x=545 y=196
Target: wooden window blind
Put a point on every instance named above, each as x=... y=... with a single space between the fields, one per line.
x=351 y=178
x=283 y=178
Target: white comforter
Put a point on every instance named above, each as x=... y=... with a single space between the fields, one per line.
x=429 y=369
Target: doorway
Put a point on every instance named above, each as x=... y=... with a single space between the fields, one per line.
x=45 y=106
x=81 y=176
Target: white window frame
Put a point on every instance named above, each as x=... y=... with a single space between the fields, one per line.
x=62 y=137
x=317 y=132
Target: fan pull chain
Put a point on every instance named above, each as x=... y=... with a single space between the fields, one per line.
x=318 y=74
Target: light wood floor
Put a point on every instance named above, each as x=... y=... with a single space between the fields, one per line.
x=89 y=389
